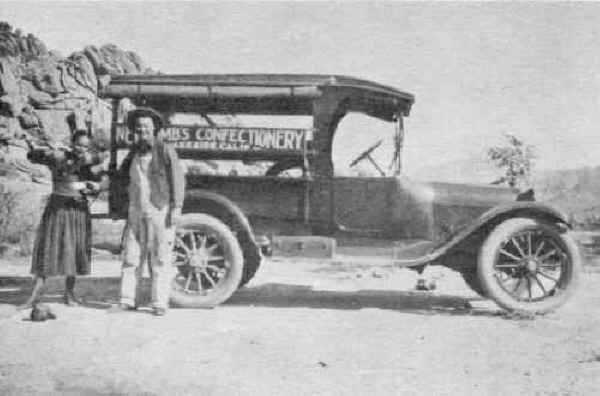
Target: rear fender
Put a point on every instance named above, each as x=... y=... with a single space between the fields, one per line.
x=219 y=206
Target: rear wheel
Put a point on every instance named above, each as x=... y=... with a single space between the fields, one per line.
x=529 y=266
x=209 y=262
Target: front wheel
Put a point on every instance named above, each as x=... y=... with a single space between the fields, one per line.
x=209 y=262
x=529 y=266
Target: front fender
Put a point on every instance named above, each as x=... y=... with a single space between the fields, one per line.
x=491 y=218
x=472 y=235
x=528 y=209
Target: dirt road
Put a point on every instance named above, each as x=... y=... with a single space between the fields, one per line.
x=302 y=328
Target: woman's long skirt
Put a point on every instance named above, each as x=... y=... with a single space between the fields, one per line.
x=63 y=242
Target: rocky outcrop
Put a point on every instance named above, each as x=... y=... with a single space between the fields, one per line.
x=43 y=95
x=15 y=44
x=39 y=88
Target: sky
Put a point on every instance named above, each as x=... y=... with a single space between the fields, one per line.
x=478 y=70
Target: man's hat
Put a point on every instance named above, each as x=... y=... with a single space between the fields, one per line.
x=144 y=112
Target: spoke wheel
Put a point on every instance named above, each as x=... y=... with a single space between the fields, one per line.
x=209 y=262
x=525 y=265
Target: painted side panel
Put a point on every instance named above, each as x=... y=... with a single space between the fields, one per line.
x=273 y=198
x=363 y=204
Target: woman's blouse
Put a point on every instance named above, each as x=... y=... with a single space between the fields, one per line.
x=68 y=171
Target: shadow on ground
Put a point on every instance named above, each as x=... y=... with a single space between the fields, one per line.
x=279 y=295
x=97 y=292
x=101 y=292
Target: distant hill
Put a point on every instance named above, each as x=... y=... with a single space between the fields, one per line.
x=574 y=191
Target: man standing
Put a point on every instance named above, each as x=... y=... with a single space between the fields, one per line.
x=156 y=184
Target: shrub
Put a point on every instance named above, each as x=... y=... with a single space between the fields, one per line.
x=515 y=159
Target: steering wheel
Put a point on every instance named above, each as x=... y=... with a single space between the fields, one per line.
x=365 y=153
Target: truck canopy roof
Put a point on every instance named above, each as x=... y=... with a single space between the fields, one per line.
x=277 y=94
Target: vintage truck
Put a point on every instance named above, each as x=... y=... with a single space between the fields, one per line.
x=507 y=247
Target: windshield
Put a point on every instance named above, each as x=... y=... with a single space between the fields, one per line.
x=355 y=134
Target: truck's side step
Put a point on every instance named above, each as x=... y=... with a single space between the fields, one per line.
x=327 y=248
x=304 y=246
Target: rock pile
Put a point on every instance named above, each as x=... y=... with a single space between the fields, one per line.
x=41 y=93
x=39 y=88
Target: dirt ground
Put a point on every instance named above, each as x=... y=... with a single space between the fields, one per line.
x=300 y=328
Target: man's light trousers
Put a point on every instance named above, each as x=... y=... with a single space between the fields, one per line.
x=147 y=234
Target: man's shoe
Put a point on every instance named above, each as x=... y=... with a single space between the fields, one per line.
x=159 y=311
x=121 y=307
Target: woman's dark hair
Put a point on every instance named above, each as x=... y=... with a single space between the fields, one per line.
x=77 y=134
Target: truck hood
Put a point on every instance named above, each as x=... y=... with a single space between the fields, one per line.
x=435 y=211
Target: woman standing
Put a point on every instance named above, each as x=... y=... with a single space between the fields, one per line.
x=63 y=242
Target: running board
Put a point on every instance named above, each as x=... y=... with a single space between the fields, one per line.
x=402 y=253
x=304 y=246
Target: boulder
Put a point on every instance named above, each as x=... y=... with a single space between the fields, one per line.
x=110 y=59
x=11 y=105
x=8 y=82
x=9 y=45
x=10 y=128
x=55 y=124
x=82 y=70
x=28 y=119
x=39 y=88
x=38 y=99
x=35 y=46
x=14 y=43
x=45 y=74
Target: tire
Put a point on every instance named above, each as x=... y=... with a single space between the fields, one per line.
x=250 y=268
x=209 y=262
x=252 y=258
x=529 y=266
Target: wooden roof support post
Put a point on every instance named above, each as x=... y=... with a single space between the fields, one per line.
x=327 y=113
x=112 y=165
x=398 y=143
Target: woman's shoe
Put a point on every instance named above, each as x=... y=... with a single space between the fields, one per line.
x=36 y=293
x=72 y=301
x=157 y=311
x=121 y=307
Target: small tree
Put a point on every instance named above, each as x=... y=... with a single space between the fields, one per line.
x=515 y=158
